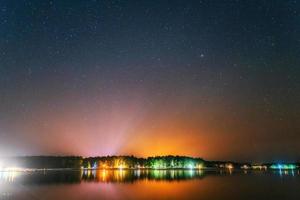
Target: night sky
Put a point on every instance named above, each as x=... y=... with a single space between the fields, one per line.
x=215 y=79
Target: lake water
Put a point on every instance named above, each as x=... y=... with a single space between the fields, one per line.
x=150 y=184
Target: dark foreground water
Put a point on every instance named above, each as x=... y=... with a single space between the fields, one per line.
x=150 y=184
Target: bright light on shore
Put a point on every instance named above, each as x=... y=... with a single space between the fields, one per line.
x=190 y=166
x=200 y=166
x=283 y=166
x=121 y=167
x=11 y=169
x=229 y=166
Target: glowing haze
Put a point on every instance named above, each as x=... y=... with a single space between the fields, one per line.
x=216 y=79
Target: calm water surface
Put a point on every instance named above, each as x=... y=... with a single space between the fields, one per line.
x=150 y=184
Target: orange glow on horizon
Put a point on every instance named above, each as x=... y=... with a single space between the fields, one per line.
x=121 y=131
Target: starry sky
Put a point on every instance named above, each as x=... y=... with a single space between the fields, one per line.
x=212 y=78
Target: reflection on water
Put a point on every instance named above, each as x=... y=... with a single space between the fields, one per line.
x=113 y=176
x=150 y=184
x=133 y=175
x=123 y=176
x=8 y=176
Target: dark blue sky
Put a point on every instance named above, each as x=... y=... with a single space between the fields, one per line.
x=218 y=79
